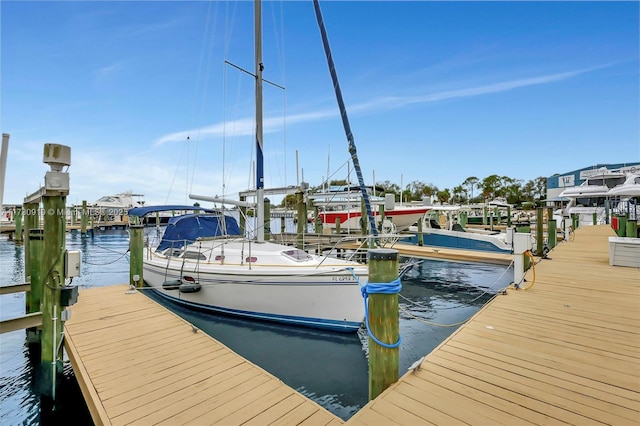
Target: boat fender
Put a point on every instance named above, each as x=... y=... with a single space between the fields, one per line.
x=171 y=284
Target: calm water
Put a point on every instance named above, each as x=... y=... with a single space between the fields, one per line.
x=330 y=368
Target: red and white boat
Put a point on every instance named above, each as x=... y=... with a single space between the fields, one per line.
x=345 y=205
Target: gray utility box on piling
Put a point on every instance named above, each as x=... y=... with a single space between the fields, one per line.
x=72 y=260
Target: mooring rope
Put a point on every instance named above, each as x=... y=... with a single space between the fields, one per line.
x=393 y=287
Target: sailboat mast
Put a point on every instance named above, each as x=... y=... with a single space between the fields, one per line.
x=259 y=143
x=345 y=118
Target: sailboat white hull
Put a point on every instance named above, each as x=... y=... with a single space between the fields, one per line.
x=321 y=296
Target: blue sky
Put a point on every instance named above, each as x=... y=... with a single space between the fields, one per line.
x=436 y=92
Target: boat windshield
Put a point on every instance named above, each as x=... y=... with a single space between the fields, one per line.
x=608 y=182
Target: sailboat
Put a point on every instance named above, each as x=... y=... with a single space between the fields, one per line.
x=205 y=261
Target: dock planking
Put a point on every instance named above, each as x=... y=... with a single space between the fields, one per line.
x=138 y=363
x=565 y=351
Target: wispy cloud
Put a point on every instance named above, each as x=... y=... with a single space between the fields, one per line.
x=245 y=127
x=393 y=102
x=152 y=28
x=108 y=71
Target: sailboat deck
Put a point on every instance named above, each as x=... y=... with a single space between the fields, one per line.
x=138 y=363
x=566 y=351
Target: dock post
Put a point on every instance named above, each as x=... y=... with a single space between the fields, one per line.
x=30 y=211
x=243 y=216
x=508 y=216
x=484 y=215
x=632 y=229
x=267 y=219
x=383 y=320
x=18 y=220
x=364 y=222
x=54 y=280
x=521 y=241
x=420 y=235
x=83 y=218
x=302 y=220
x=552 y=233
x=595 y=218
x=338 y=225
x=539 y=231
x=317 y=223
x=136 y=248
x=36 y=273
x=283 y=227
x=463 y=219
x=381 y=211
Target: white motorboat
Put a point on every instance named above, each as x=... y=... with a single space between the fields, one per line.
x=590 y=198
x=441 y=228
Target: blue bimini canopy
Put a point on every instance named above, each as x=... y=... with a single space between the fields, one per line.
x=186 y=229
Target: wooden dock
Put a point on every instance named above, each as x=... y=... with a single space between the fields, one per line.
x=566 y=351
x=138 y=363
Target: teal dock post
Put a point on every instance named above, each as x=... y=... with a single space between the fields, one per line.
x=539 y=231
x=18 y=220
x=595 y=218
x=383 y=320
x=463 y=219
x=267 y=219
x=552 y=233
x=84 y=218
x=136 y=249
x=302 y=220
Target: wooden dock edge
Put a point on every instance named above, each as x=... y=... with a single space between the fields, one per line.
x=304 y=411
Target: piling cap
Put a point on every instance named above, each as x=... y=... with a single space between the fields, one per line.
x=56 y=156
x=383 y=254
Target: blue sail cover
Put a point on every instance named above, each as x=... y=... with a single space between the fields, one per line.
x=185 y=229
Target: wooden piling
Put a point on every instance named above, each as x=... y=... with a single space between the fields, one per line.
x=53 y=280
x=302 y=219
x=136 y=248
x=420 y=234
x=83 y=218
x=267 y=219
x=539 y=230
x=18 y=221
x=383 y=320
x=318 y=221
x=552 y=233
